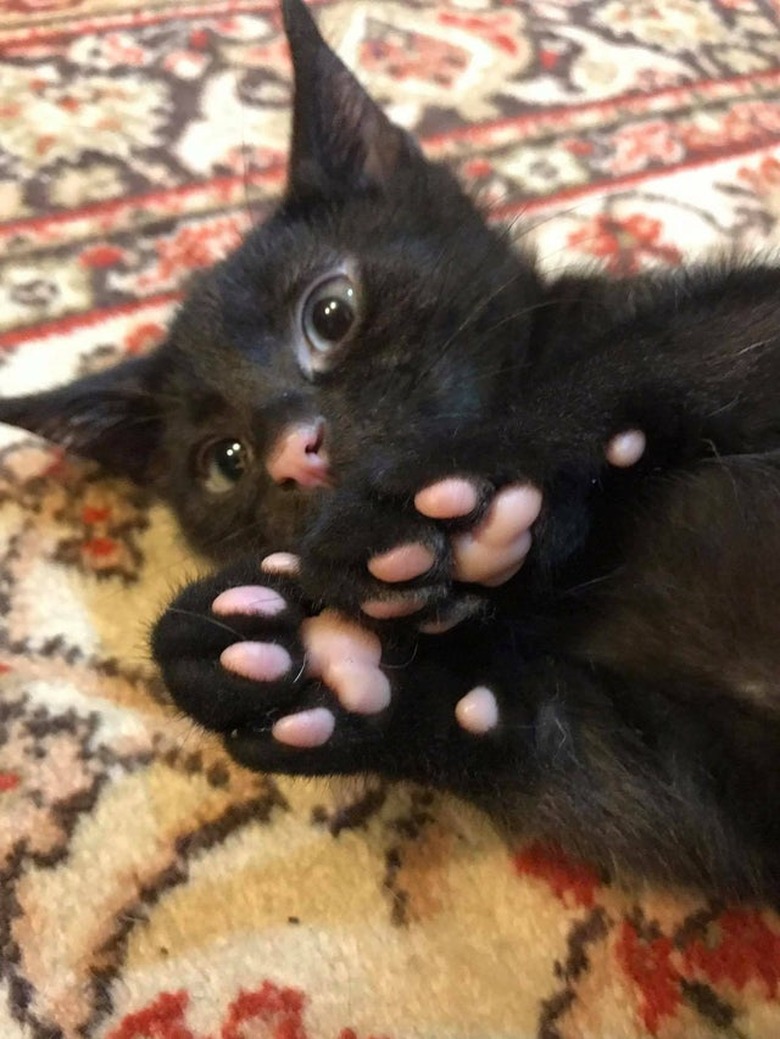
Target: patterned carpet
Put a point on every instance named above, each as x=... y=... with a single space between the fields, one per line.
x=151 y=890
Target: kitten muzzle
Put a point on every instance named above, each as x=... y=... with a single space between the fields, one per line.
x=298 y=455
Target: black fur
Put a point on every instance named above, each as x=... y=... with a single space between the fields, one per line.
x=636 y=656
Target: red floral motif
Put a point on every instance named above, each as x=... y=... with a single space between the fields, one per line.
x=411 y=55
x=279 y=1009
x=626 y=245
x=164 y=1019
x=744 y=123
x=92 y=514
x=637 y=146
x=100 y=548
x=569 y=881
x=198 y=38
x=120 y=49
x=765 y=180
x=102 y=256
x=143 y=337
x=647 y=962
x=8 y=781
x=738 y=947
x=476 y=169
x=190 y=248
x=578 y=146
x=500 y=29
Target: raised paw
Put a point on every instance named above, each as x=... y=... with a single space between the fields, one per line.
x=348 y=720
x=490 y=537
x=488 y=553
x=287 y=690
x=301 y=693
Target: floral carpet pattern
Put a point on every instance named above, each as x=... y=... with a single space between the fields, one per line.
x=150 y=888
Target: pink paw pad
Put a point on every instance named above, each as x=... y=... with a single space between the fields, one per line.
x=510 y=514
x=258 y=661
x=346 y=657
x=360 y=687
x=627 y=448
x=390 y=609
x=519 y=550
x=249 y=599
x=280 y=563
x=305 y=729
x=477 y=711
x=402 y=563
x=447 y=499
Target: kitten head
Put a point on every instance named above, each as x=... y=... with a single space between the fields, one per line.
x=373 y=315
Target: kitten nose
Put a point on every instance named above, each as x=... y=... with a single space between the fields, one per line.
x=298 y=454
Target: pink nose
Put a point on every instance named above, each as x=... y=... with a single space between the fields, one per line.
x=298 y=454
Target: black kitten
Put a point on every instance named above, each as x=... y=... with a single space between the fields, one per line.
x=375 y=335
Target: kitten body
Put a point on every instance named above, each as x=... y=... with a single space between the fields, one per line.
x=375 y=335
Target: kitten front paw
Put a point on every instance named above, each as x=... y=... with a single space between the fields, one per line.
x=303 y=694
x=489 y=550
x=287 y=690
x=459 y=536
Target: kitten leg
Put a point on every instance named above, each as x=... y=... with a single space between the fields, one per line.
x=300 y=693
x=497 y=544
x=617 y=770
x=251 y=662
x=623 y=774
x=495 y=549
x=341 y=653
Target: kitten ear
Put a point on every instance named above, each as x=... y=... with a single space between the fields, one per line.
x=341 y=139
x=111 y=416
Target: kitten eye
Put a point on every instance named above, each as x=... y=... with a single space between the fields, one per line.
x=329 y=314
x=221 y=464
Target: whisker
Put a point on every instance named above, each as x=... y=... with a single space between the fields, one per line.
x=203 y=616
